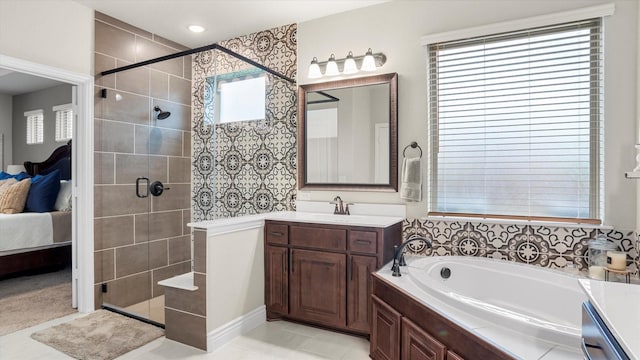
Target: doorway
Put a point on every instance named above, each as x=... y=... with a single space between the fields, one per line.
x=81 y=199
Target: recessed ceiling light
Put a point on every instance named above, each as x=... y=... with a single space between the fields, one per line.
x=196 y=28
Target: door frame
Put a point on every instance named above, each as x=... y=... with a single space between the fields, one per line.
x=82 y=158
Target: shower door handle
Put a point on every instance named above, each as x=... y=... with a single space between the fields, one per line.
x=146 y=187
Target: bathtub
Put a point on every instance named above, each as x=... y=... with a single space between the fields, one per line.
x=542 y=303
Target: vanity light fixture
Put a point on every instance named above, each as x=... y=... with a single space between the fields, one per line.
x=349 y=65
x=314 y=69
x=332 y=67
x=368 y=63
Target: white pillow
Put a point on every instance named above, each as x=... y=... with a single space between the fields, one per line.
x=63 y=201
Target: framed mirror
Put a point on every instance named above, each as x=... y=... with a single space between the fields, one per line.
x=348 y=134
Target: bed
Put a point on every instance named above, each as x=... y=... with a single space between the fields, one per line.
x=36 y=242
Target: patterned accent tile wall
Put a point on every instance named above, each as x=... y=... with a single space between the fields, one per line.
x=246 y=167
x=546 y=246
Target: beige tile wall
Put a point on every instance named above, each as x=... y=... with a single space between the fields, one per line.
x=186 y=311
x=140 y=241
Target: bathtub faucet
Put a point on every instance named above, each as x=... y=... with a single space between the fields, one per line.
x=398 y=257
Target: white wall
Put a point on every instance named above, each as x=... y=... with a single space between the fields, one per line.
x=235 y=275
x=395 y=28
x=5 y=128
x=57 y=33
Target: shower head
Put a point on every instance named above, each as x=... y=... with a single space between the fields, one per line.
x=161 y=114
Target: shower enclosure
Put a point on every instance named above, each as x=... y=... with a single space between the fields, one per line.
x=189 y=138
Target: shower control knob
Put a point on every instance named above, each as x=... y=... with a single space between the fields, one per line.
x=156 y=188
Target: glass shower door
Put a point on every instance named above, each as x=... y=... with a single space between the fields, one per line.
x=122 y=201
x=142 y=192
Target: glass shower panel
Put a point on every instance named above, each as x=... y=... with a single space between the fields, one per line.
x=232 y=158
x=122 y=201
x=233 y=142
x=143 y=155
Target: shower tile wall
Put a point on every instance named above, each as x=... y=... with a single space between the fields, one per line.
x=546 y=246
x=246 y=167
x=122 y=138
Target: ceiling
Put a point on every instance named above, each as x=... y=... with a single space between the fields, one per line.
x=222 y=19
x=13 y=83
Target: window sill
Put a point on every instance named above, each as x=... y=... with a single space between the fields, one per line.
x=519 y=222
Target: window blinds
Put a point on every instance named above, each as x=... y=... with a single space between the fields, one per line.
x=35 y=129
x=64 y=122
x=516 y=123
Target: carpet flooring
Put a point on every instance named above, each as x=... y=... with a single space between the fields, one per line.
x=30 y=300
x=101 y=335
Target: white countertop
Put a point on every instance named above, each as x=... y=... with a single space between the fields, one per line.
x=618 y=304
x=241 y=222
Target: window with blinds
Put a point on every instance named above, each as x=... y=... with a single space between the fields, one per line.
x=64 y=122
x=35 y=127
x=516 y=124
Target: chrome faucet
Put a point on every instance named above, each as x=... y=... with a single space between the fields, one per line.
x=341 y=208
x=398 y=257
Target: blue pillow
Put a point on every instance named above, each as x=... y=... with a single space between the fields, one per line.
x=43 y=192
x=20 y=176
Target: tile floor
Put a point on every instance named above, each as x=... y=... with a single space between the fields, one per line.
x=270 y=341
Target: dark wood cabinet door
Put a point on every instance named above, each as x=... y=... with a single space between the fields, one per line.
x=418 y=345
x=318 y=287
x=385 y=331
x=359 y=271
x=276 y=280
x=453 y=356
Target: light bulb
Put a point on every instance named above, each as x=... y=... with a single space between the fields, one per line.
x=368 y=63
x=332 y=67
x=350 y=65
x=314 y=69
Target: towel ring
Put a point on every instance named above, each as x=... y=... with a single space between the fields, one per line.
x=413 y=145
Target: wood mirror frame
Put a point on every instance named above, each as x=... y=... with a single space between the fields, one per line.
x=392 y=185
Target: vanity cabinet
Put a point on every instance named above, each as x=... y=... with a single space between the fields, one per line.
x=417 y=344
x=321 y=273
x=405 y=329
x=276 y=292
x=453 y=356
x=395 y=337
x=317 y=287
x=385 y=331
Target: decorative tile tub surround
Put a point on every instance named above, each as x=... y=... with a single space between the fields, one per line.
x=246 y=167
x=541 y=245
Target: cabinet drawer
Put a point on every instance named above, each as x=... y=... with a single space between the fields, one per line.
x=320 y=238
x=363 y=241
x=277 y=233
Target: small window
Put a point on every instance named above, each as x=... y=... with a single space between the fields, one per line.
x=238 y=96
x=64 y=122
x=242 y=100
x=35 y=127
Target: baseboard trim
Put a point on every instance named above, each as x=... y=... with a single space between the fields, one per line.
x=238 y=326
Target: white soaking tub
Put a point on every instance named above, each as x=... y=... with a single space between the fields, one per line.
x=542 y=303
